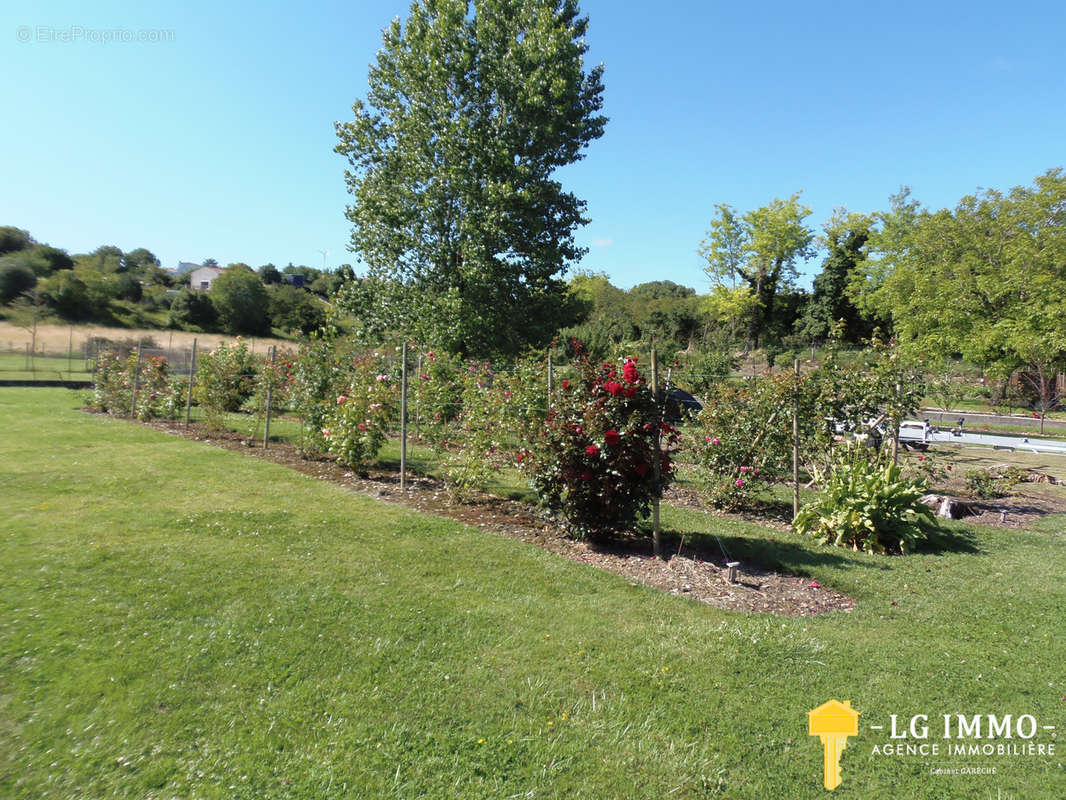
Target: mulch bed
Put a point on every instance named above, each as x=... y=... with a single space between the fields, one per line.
x=691 y=573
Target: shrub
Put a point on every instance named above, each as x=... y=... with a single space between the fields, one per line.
x=993 y=482
x=437 y=396
x=158 y=395
x=225 y=379
x=594 y=457
x=865 y=503
x=742 y=440
x=364 y=415
x=321 y=372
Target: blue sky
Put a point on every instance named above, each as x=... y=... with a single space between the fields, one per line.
x=217 y=141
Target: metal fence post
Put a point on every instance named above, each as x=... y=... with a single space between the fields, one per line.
x=403 y=419
x=269 y=396
x=136 y=381
x=656 y=537
x=192 y=373
x=796 y=446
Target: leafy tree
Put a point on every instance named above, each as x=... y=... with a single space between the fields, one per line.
x=140 y=261
x=192 y=310
x=845 y=238
x=294 y=310
x=127 y=287
x=105 y=259
x=67 y=294
x=241 y=301
x=986 y=281
x=761 y=249
x=42 y=260
x=14 y=239
x=14 y=279
x=209 y=262
x=472 y=106
x=269 y=274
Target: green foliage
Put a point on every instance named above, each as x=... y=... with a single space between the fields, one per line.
x=703 y=370
x=192 y=310
x=15 y=279
x=984 y=280
x=741 y=441
x=594 y=458
x=241 y=301
x=14 y=239
x=865 y=503
x=362 y=417
x=293 y=309
x=225 y=379
x=471 y=108
x=760 y=248
x=158 y=395
x=845 y=238
x=269 y=274
x=319 y=374
x=68 y=295
x=991 y=482
x=476 y=451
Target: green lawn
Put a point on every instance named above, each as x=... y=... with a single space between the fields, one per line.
x=181 y=621
x=16 y=367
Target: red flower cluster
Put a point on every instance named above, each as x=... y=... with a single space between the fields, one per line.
x=629 y=371
x=612 y=437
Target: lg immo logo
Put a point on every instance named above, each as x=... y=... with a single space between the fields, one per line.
x=952 y=744
x=833 y=722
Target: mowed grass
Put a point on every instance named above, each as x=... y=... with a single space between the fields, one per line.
x=182 y=621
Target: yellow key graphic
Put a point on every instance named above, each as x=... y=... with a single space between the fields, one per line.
x=833 y=723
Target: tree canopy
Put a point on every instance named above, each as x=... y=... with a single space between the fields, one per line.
x=472 y=106
x=985 y=280
x=761 y=249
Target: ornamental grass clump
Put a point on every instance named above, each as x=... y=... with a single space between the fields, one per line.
x=594 y=458
x=865 y=503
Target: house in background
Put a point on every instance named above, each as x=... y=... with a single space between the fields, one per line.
x=201 y=278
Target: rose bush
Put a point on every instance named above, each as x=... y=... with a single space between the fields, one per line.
x=364 y=414
x=741 y=441
x=594 y=457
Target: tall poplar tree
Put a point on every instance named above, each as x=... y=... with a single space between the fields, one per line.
x=472 y=106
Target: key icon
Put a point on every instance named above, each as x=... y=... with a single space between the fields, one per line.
x=833 y=723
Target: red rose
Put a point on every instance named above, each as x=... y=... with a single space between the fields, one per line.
x=592 y=450
x=630 y=391
x=566 y=384
x=613 y=387
x=612 y=437
x=629 y=372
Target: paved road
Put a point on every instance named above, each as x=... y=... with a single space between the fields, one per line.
x=1051 y=427
x=1033 y=444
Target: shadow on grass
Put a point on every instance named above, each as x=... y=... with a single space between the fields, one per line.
x=787 y=557
x=949 y=540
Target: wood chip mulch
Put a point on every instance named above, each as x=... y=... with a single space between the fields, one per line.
x=700 y=575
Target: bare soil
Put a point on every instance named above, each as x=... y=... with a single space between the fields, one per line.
x=698 y=574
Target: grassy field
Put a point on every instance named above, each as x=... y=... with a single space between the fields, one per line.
x=182 y=621
x=57 y=339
